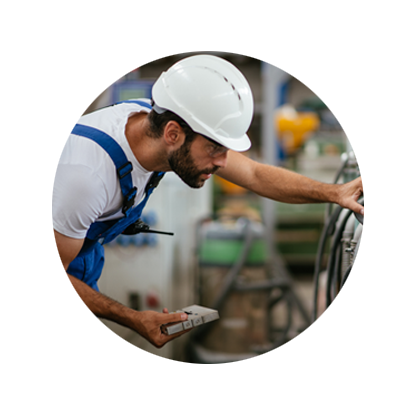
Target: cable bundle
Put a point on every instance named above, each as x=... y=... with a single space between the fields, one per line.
x=343 y=332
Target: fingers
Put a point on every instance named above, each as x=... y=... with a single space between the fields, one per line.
x=175 y=335
x=174 y=317
x=354 y=206
x=358 y=208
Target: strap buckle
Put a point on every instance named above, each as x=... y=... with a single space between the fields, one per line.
x=124 y=170
x=129 y=200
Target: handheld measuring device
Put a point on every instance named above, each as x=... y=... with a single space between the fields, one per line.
x=197 y=315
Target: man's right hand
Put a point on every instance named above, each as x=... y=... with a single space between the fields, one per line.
x=148 y=324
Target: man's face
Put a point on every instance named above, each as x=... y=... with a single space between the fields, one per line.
x=194 y=162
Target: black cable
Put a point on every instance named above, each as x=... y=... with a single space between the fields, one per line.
x=345 y=328
x=331 y=269
x=344 y=302
x=360 y=217
x=327 y=231
x=342 y=326
x=337 y=270
x=341 y=313
x=331 y=261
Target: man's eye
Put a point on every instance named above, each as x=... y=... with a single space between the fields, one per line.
x=218 y=151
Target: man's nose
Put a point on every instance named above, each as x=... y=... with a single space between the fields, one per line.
x=221 y=160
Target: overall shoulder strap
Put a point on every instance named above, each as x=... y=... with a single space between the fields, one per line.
x=114 y=150
x=122 y=164
x=154 y=181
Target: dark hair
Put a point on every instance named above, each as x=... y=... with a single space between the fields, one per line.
x=158 y=122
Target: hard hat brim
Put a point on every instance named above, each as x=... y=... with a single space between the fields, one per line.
x=239 y=145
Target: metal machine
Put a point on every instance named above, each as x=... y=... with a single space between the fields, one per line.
x=341 y=338
x=245 y=280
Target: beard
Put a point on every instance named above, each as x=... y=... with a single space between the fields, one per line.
x=182 y=163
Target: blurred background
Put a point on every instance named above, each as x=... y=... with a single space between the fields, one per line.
x=269 y=268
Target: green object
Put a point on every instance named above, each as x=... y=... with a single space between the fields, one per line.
x=225 y=252
x=222 y=244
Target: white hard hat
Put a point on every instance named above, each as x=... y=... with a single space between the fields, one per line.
x=211 y=95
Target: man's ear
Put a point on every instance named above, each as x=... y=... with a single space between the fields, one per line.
x=173 y=134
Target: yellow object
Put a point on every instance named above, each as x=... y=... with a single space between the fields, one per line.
x=293 y=128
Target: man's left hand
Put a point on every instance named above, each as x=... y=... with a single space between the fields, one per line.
x=349 y=193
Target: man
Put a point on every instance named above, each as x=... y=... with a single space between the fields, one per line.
x=196 y=126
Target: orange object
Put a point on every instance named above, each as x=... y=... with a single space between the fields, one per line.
x=229 y=187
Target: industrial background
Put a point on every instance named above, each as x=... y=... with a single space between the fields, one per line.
x=271 y=269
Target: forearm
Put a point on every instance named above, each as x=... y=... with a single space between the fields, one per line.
x=145 y=323
x=289 y=187
x=104 y=307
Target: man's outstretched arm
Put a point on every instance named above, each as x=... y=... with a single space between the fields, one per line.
x=287 y=186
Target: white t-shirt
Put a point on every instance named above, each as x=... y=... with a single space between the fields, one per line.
x=86 y=187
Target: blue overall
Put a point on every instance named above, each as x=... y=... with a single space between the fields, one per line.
x=88 y=265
